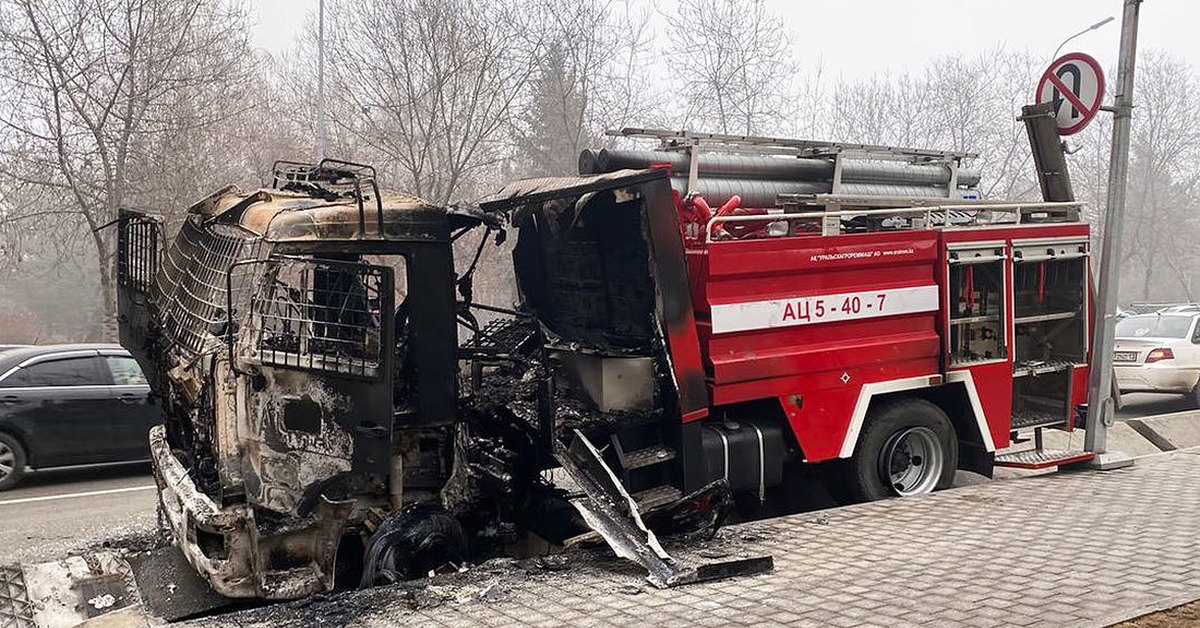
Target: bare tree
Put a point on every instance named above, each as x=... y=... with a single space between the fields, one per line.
x=592 y=74
x=428 y=87
x=968 y=104
x=734 y=65
x=1164 y=172
x=97 y=89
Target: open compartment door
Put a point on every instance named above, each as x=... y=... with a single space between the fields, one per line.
x=600 y=261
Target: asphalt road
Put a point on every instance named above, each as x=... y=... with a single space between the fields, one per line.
x=1136 y=405
x=53 y=512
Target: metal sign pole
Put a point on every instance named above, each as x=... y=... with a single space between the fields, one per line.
x=1100 y=404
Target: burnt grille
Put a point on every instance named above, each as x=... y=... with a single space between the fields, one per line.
x=191 y=285
x=137 y=251
x=322 y=316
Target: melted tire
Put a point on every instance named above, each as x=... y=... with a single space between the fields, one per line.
x=411 y=543
x=863 y=480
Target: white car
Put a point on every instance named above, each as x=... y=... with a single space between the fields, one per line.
x=1159 y=352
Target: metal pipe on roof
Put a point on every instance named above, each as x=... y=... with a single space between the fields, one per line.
x=761 y=193
x=775 y=168
x=905 y=173
x=721 y=165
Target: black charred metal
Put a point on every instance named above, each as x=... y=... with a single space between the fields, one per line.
x=1049 y=158
x=307 y=400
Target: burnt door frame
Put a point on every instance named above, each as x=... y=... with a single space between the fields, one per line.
x=299 y=377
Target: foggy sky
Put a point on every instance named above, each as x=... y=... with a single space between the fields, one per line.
x=857 y=38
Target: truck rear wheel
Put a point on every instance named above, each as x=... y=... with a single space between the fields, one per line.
x=908 y=447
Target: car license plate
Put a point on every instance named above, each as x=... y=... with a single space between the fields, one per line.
x=1125 y=356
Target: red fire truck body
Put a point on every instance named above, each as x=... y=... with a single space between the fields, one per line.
x=825 y=323
x=868 y=297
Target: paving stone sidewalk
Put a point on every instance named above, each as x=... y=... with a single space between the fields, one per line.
x=1069 y=549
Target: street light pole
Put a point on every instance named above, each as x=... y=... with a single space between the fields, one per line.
x=1100 y=404
x=1082 y=32
x=320 y=81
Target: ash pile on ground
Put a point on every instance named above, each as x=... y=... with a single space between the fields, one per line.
x=132 y=541
x=495 y=581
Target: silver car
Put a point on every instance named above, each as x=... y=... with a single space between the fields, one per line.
x=1159 y=352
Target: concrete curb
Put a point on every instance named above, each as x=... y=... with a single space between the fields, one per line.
x=1134 y=613
x=1139 y=438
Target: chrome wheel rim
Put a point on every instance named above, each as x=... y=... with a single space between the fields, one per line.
x=912 y=461
x=8 y=461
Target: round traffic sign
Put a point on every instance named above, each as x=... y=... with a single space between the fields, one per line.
x=1075 y=84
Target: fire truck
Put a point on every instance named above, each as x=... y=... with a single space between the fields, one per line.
x=861 y=310
x=693 y=321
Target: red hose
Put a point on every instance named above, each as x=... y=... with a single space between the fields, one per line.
x=730 y=205
x=1041 y=282
x=703 y=212
x=969 y=288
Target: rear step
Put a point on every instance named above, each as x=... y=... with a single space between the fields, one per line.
x=1042 y=458
x=609 y=509
x=1039 y=457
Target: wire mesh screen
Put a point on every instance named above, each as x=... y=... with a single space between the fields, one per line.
x=191 y=291
x=137 y=251
x=323 y=316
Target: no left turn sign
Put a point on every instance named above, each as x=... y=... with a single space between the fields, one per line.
x=1075 y=84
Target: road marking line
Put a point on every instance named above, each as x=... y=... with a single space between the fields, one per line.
x=26 y=500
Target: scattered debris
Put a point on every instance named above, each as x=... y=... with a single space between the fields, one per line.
x=493 y=593
x=551 y=562
x=101 y=602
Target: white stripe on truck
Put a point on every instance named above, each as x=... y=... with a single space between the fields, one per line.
x=824 y=308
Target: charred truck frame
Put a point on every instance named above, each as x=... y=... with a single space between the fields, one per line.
x=862 y=312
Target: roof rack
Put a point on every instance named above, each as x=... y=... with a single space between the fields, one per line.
x=332 y=179
x=695 y=145
x=681 y=140
x=868 y=217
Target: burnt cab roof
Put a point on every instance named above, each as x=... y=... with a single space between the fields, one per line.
x=531 y=191
x=311 y=214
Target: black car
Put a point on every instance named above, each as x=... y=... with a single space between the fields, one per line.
x=64 y=405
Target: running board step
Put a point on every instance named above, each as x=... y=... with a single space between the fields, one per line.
x=609 y=509
x=640 y=458
x=1042 y=458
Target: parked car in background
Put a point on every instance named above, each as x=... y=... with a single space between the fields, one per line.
x=1159 y=353
x=63 y=405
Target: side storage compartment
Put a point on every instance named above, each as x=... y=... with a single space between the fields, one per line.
x=1050 y=325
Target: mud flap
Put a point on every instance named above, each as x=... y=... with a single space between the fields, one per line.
x=609 y=509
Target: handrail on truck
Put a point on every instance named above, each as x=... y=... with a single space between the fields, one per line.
x=928 y=212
